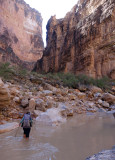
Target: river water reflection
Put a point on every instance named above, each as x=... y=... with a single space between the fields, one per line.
x=77 y=139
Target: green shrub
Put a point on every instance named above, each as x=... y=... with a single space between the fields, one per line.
x=86 y=80
x=69 y=80
x=6 y=71
x=66 y=79
x=22 y=72
x=104 y=83
x=73 y=81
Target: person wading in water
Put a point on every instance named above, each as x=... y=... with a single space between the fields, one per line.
x=26 y=123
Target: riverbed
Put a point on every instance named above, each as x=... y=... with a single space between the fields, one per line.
x=78 y=138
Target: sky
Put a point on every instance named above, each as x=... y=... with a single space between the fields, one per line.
x=49 y=8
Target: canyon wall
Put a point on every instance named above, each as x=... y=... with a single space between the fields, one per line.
x=83 y=42
x=20 y=33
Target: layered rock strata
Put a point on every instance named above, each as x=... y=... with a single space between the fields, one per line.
x=20 y=33
x=83 y=42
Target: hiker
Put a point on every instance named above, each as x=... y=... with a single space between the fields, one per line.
x=26 y=123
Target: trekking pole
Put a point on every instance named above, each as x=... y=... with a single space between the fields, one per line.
x=17 y=131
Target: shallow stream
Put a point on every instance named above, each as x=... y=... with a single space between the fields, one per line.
x=77 y=139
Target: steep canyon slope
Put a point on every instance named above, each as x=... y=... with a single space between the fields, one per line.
x=20 y=33
x=83 y=42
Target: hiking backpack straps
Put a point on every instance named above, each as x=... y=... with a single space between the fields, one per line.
x=26 y=123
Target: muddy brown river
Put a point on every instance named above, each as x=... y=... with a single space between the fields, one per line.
x=77 y=139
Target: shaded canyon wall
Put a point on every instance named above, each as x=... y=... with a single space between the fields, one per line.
x=83 y=42
x=20 y=33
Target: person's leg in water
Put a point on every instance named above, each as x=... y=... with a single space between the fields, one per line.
x=27 y=132
x=24 y=129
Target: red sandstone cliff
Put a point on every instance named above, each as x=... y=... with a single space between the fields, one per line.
x=20 y=33
x=83 y=42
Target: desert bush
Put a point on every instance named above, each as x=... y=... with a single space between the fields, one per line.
x=6 y=71
x=73 y=81
x=104 y=83
x=22 y=72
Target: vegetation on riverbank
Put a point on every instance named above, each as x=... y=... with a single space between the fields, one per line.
x=70 y=80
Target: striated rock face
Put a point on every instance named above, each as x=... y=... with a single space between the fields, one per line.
x=83 y=42
x=20 y=33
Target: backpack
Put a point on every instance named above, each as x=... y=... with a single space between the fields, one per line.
x=26 y=122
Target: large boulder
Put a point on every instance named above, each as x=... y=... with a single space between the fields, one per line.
x=109 y=98
x=4 y=95
x=81 y=95
x=52 y=117
x=24 y=102
x=105 y=104
x=17 y=99
x=40 y=105
x=32 y=104
x=47 y=86
x=104 y=155
x=95 y=89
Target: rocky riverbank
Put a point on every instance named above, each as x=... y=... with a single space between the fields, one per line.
x=53 y=102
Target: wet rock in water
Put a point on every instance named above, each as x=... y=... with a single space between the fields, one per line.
x=91 y=110
x=8 y=127
x=52 y=116
x=65 y=111
x=104 y=155
x=112 y=107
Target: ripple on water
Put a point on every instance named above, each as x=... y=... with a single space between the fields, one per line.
x=40 y=151
x=46 y=152
x=28 y=149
